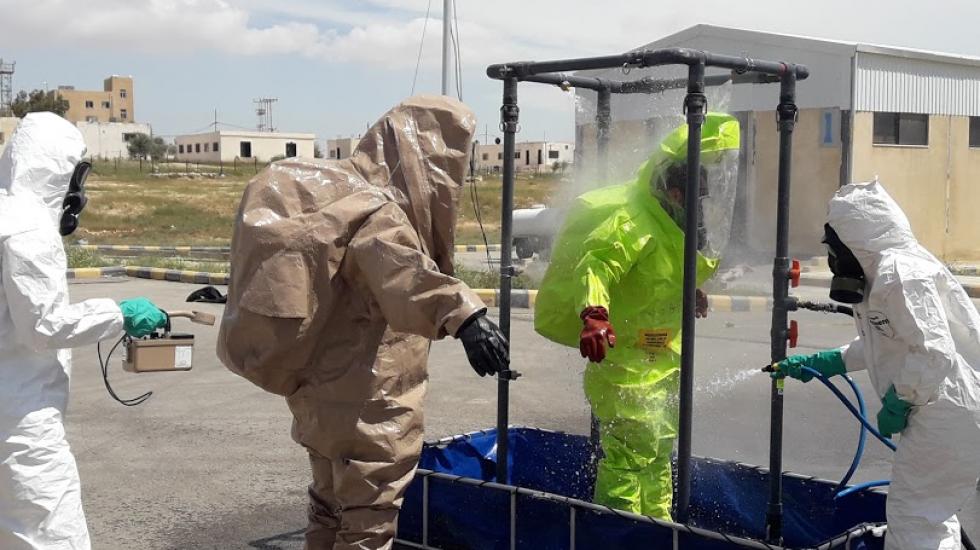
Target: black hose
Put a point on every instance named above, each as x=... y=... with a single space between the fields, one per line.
x=139 y=400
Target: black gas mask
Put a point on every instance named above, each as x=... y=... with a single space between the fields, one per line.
x=75 y=199
x=675 y=178
x=848 y=283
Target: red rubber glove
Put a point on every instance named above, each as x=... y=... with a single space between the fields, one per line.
x=596 y=333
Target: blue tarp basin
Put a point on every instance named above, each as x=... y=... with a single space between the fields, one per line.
x=454 y=503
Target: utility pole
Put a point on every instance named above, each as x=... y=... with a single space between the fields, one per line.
x=447 y=9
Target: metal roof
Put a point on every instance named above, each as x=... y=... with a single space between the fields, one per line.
x=817 y=44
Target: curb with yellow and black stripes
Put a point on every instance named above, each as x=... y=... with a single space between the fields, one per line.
x=519 y=298
x=154 y=273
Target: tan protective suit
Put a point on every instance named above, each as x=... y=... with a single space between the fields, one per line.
x=341 y=274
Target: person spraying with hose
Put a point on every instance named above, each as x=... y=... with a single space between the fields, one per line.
x=919 y=340
x=613 y=290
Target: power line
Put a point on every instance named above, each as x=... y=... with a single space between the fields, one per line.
x=418 y=62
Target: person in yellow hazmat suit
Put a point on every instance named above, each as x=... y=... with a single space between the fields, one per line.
x=618 y=262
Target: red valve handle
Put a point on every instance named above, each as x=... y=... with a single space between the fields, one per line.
x=794 y=333
x=794 y=273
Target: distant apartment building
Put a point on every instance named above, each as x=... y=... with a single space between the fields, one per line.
x=227 y=146
x=115 y=103
x=529 y=156
x=341 y=148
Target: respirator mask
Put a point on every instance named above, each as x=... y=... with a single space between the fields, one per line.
x=848 y=284
x=75 y=199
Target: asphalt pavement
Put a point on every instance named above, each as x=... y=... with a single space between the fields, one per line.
x=207 y=462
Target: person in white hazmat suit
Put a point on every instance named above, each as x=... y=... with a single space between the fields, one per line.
x=41 y=195
x=919 y=339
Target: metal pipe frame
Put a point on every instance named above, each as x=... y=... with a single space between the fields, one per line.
x=646 y=58
x=509 y=117
x=787 y=114
x=745 y=70
x=696 y=107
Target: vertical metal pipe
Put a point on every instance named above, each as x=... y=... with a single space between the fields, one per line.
x=603 y=123
x=695 y=105
x=509 y=116
x=787 y=114
x=603 y=120
x=447 y=22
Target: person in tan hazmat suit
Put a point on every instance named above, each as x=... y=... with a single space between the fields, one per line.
x=341 y=276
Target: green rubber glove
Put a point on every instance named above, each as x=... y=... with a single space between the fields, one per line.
x=141 y=317
x=828 y=363
x=894 y=414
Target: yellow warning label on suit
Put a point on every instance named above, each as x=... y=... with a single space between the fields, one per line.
x=655 y=339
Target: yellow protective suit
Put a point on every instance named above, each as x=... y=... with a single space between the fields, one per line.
x=341 y=275
x=620 y=249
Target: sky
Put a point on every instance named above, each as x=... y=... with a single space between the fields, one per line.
x=336 y=66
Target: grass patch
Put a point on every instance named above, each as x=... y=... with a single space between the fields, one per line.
x=135 y=171
x=130 y=209
x=488 y=279
x=85 y=258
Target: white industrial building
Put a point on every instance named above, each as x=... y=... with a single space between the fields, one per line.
x=910 y=117
x=341 y=148
x=109 y=140
x=529 y=156
x=229 y=145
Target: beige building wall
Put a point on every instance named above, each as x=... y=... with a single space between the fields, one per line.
x=115 y=103
x=935 y=184
x=7 y=127
x=815 y=179
x=489 y=157
x=915 y=176
x=963 y=236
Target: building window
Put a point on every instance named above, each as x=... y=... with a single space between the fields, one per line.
x=197 y=147
x=540 y=157
x=123 y=114
x=974 y=131
x=180 y=148
x=290 y=149
x=128 y=136
x=122 y=93
x=207 y=146
x=245 y=149
x=89 y=104
x=486 y=156
x=901 y=129
x=566 y=148
x=333 y=154
x=517 y=155
x=554 y=154
x=500 y=156
x=106 y=105
x=214 y=147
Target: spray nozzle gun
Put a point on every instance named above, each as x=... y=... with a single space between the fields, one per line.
x=774 y=367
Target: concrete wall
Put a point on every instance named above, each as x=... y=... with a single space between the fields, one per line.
x=934 y=184
x=815 y=178
x=540 y=156
x=107 y=140
x=489 y=157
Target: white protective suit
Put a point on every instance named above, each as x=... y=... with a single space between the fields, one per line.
x=919 y=331
x=40 y=500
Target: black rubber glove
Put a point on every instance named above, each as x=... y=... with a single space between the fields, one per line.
x=486 y=347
